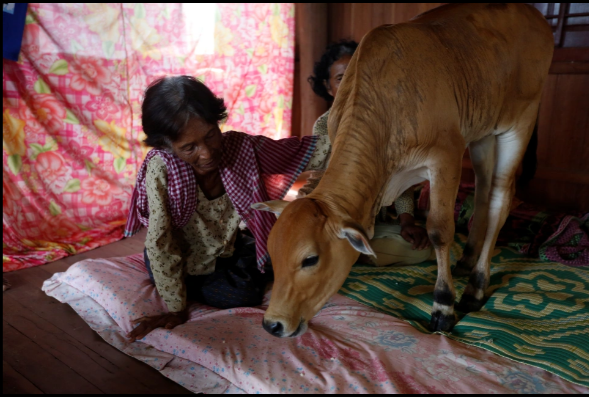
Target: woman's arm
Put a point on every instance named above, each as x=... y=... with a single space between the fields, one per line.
x=320 y=157
x=412 y=233
x=322 y=152
x=164 y=255
x=404 y=204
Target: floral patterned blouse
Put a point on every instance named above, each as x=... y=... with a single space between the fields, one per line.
x=403 y=205
x=210 y=233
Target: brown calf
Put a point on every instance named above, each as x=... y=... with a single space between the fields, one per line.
x=414 y=96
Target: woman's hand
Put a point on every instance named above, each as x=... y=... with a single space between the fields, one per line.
x=147 y=324
x=412 y=233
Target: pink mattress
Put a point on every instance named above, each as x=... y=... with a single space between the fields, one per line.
x=349 y=347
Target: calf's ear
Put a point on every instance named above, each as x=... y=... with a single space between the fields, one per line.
x=357 y=237
x=275 y=206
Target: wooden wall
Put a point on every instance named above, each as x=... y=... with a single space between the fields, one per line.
x=562 y=178
x=354 y=20
x=311 y=40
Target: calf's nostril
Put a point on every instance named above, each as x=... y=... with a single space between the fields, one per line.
x=273 y=327
x=277 y=328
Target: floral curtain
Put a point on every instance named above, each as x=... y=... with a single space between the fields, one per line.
x=72 y=137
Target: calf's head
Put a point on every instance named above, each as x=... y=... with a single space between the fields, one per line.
x=313 y=248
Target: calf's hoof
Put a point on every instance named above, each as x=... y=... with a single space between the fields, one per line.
x=469 y=303
x=442 y=322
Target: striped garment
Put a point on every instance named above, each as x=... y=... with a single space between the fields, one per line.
x=253 y=169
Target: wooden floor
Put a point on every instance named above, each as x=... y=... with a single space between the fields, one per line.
x=47 y=348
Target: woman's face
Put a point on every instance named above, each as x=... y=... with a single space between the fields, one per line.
x=336 y=73
x=200 y=146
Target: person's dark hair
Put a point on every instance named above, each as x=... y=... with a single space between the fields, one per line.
x=170 y=102
x=333 y=52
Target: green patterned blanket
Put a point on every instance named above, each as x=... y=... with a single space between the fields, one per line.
x=538 y=312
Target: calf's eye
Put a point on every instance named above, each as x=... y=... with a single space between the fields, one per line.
x=310 y=261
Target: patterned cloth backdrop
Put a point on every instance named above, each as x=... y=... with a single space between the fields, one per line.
x=72 y=107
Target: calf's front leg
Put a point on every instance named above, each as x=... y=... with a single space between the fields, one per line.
x=444 y=180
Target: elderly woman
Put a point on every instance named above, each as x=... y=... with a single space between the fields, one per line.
x=193 y=190
x=327 y=76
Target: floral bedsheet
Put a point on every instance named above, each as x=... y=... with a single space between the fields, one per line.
x=71 y=107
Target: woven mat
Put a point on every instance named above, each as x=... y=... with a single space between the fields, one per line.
x=538 y=312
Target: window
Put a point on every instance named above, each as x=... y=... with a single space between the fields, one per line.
x=569 y=22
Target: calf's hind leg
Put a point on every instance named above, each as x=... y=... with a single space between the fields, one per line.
x=510 y=150
x=482 y=154
x=444 y=180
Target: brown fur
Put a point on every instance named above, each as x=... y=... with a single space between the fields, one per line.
x=413 y=97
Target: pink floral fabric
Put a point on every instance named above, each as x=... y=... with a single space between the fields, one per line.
x=72 y=107
x=349 y=347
